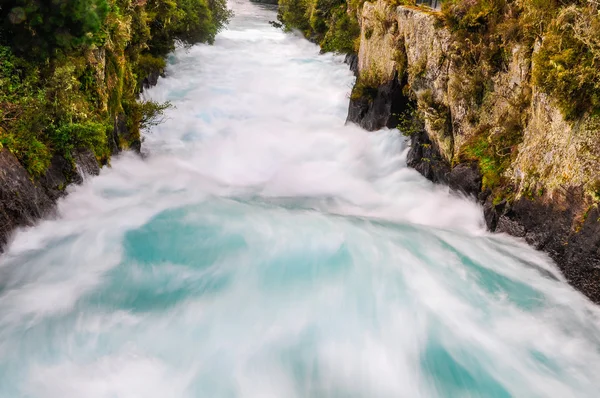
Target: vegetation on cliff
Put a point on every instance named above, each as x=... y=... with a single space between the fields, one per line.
x=71 y=71
x=333 y=24
x=501 y=100
x=563 y=47
x=557 y=42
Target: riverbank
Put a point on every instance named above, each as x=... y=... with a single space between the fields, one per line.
x=264 y=248
x=542 y=192
x=477 y=106
x=70 y=84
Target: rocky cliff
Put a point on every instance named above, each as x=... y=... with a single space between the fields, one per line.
x=70 y=79
x=493 y=134
x=24 y=200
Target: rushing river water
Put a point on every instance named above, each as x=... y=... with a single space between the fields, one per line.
x=264 y=249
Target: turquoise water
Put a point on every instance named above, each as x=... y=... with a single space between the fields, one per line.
x=263 y=249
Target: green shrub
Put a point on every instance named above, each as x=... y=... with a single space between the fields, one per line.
x=342 y=33
x=410 y=121
x=184 y=21
x=327 y=22
x=148 y=114
x=363 y=90
x=85 y=135
x=148 y=63
x=473 y=16
x=294 y=14
x=495 y=149
x=396 y=3
x=70 y=68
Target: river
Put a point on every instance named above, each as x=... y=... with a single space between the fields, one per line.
x=262 y=248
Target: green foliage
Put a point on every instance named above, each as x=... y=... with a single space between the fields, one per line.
x=148 y=63
x=400 y=59
x=366 y=85
x=70 y=70
x=184 y=21
x=491 y=166
x=536 y=15
x=70 y=136
x=355 y=7
x=40 y=28
x=147 y=114
x=30 y=151
x=495 y=149
x=330 y=23
x=410 y=122
x=22 y=116
x=473 y=16
x=293 y=14
x=342 y=33
x=396 y=3
x=437 y=114
x=567 y=65
x=193 y=22
x=484 y=32
x=363 y=90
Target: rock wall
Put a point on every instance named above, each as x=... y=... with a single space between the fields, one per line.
x=24 y=200
x=548 y=192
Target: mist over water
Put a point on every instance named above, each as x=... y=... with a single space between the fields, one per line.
x=264 y=249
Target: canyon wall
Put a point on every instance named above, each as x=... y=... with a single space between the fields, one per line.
x=535 y=173
x=70 y=79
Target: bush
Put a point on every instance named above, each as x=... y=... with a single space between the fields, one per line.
x=148 y=63
x=327 y=22
x=496 y=148
x=410 y=121
x=71 y=136
x=473 y=16
x=342 y=33
x=148 y=114
x=184 y=21
x=22 y=112
x=294 y=14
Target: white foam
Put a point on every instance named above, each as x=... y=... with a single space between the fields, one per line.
x=323 y=265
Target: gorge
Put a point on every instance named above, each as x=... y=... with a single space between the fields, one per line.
x=262 y=246
x=492 y=104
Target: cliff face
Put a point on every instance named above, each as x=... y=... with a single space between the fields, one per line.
x=508 y=145
x=24 y=200
x=70 y=101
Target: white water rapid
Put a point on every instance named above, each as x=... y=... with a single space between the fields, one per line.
x=264 y=249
